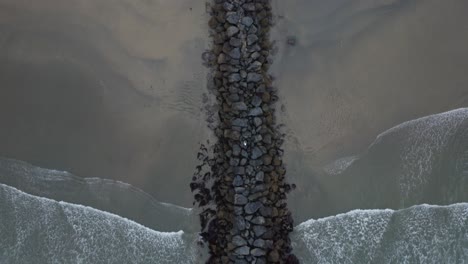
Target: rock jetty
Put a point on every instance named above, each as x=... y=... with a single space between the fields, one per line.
x=244 y=218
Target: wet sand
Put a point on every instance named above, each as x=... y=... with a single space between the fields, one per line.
x=112 y=89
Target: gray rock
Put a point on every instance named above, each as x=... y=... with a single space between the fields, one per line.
x=256 y=65
x=241 y=106
x=257 y=252
x=249 y=7
x=256 y=111
x=258 y=138
x=247 y=21
x=234 y=77
x=228 y=6
x=235 y=53
x=250 y=170
x=265 y=211
x=257 y=121
x=236 y=149
x=261 y=261
x=244 y=251
x=259 y=230
x=235 y=42
x=240 y=122
x=251 y=39
x=255 y=55
x=239 y=223
x=259 y=243
x=232 y=17
x=259 y=188
x=221 y=58
x=239 y=170
x=254 y=77
x=256 y=101
x=260 y=176
x=238 y=241
x=253 y=30
x=208 y=56
x=233 y=161
x=267 y=139
x=233 y=97
x=251 y=208
x=239 y=190
x=239 y=199
x=259 y=220
x=256 y=153
x=231 y=31
x=238 y=210
x=243 y=73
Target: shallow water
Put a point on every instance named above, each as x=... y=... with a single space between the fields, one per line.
x=114 y=90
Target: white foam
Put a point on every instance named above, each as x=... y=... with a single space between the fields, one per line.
x=40 y=230
x=423 y=140
x=420 y=234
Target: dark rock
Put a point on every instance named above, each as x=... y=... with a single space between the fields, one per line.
x=257 y=121
x=273 y=256
x=251 y=39
x=254 y=77
x=249 y=7
x=228 y=6
x=235 y=77
x=221 y=58
x=259 y=243
x=256 y=111
x=261 y=261
x=253 y=207
x=260 y=176
x=236 y=149
x=252 y=30
x=265 y=211
x=239 y=170
x=256 y=101
x=241 y=106
x=254 y=66
x=239 y=223
x=267 y=139
x=256 y=153
x=235 y=42
x=245 y=250
x=233 y=97
x=247 y=21
x=238 y=241
x=233 y=162
x=240 y=199
x=257 y=252
x=259 y=230
x=231 y=31
x=232 y=17
x=235 y=53
x=208 y=57
x=255 y=55
x=237 y=181
x=250 y=170
x=238 y=210
x=240 y=122
x=259 y=220
x=267 y=159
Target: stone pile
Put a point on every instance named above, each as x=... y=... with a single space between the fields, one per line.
x=250 y=222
